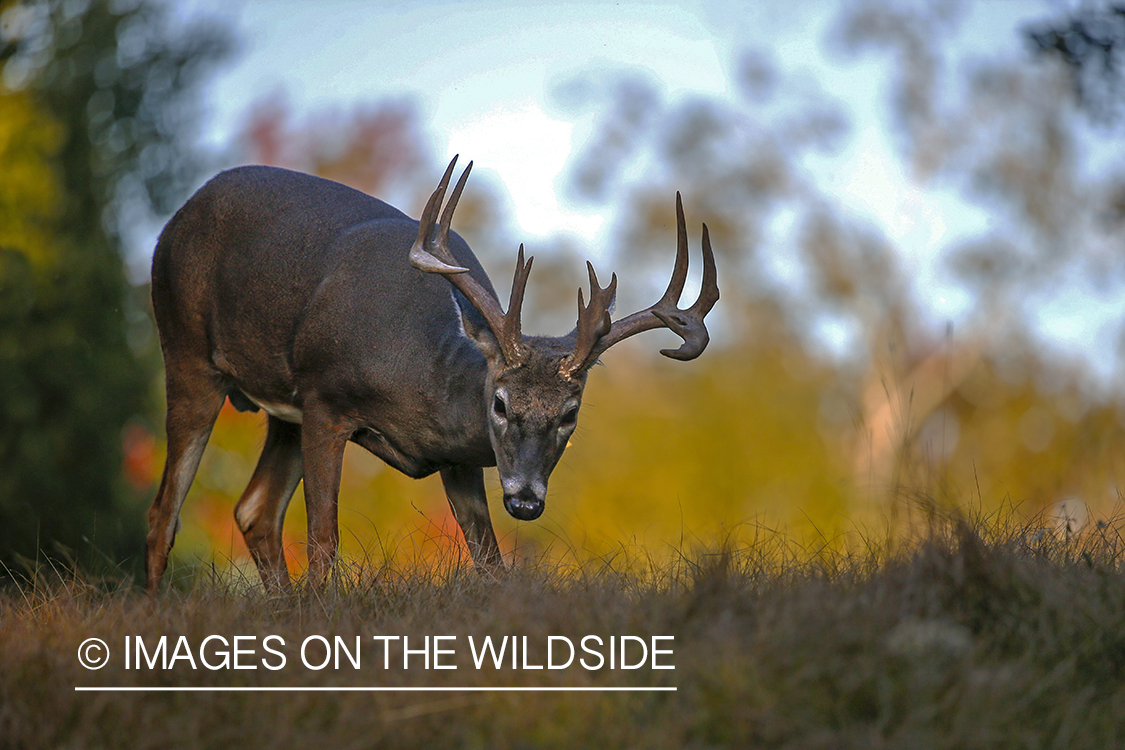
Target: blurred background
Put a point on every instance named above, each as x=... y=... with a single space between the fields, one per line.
x=917 y=208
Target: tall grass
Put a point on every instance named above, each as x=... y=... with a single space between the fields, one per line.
x=974 y=632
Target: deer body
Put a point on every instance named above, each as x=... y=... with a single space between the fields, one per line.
x=338 y=313
x=327 y=308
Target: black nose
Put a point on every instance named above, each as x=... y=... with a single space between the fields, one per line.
x=524 y=505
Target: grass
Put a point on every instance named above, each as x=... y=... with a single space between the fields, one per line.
x=975 y=633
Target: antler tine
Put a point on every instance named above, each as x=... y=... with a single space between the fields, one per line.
x=679 y=271
x=709 y=286
x=686 y=323
x=430 y=253
x=447 y=214
x=593 y=322
x=513 y=328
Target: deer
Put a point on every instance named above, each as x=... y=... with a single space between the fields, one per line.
x=347 y=321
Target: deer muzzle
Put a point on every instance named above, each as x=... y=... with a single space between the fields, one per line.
x=525 y=503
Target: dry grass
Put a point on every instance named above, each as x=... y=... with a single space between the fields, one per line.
x=981 y=633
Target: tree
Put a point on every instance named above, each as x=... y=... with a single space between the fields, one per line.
x=1091 y=43
x=906 y=408
x=96 y=100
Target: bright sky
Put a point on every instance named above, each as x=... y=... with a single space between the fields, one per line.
x=484 y=71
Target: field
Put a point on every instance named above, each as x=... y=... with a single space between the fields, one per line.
x=983 y=632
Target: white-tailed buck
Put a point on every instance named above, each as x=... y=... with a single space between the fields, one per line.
x=346 y=320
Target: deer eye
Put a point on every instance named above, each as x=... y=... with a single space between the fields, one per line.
x=498 y=407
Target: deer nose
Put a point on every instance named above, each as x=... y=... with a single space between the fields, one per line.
x=524 y=504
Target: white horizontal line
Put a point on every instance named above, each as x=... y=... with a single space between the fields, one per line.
x=368 y=689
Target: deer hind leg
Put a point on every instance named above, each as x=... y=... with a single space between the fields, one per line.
x=261 y=511
x=464 y=487
x=194 y=401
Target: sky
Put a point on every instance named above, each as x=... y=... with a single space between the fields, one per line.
x=485 y=73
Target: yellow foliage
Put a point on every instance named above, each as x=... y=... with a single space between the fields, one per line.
x=757 y=434
x=29 y=189
x=668 y=451
x=663 y=451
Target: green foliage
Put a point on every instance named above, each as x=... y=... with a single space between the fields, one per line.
x=93 y=111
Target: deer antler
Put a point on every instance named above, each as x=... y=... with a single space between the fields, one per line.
x=595 y=334
x=430 y=253
x=593 y=321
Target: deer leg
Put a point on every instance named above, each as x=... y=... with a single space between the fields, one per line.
x=323 y=438
x=194 y=401
x=260 y=512
x=464 y=487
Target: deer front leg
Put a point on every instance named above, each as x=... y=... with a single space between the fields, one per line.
x=464 y=487
x=261 y=511
x=324 y=434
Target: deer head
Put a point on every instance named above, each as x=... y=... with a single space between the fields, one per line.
x=534 y=384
